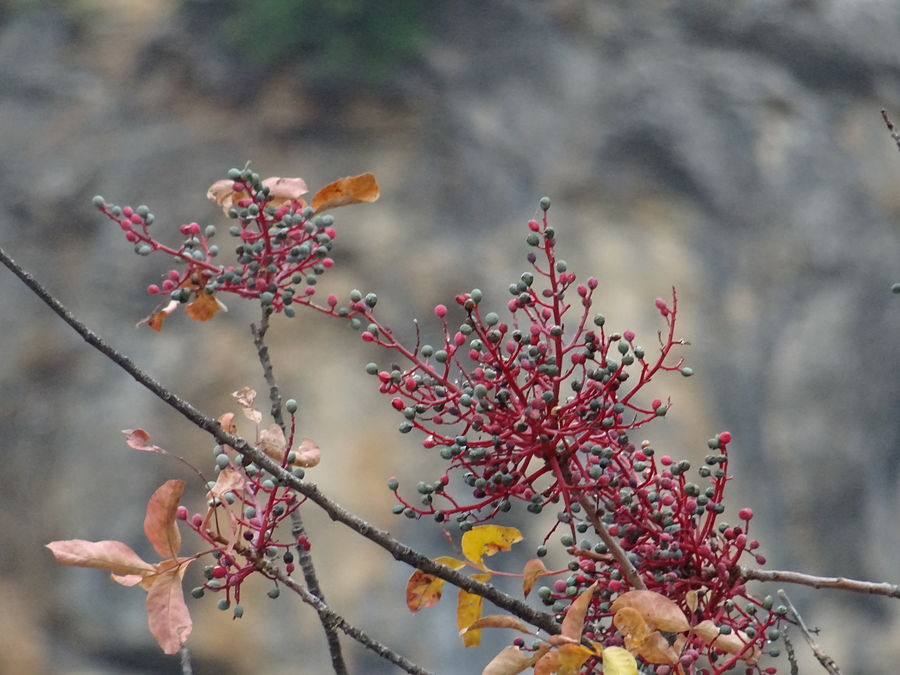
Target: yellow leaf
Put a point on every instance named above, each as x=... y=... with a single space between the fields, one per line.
x=658 y=610
x=468 y=610
x=571 y=658
x=618 y=661
x=423 y=589
x=573 y=622
x=344 y=191
x=533 y=569
x=484 y=540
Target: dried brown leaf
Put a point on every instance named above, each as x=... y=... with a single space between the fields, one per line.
x=532 y=570
x=573 y=622
x=658 y=610
x=167 y=614
x=160 y=527
x=344 y=191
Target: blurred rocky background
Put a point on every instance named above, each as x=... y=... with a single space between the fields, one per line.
x=734 y=150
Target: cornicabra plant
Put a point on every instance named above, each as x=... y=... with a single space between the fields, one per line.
x=538 y=408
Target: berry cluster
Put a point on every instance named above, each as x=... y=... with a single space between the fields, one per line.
x=246 y=507
x=282 y=245
x=539 y=408
x=527 y=408
x=668 y=528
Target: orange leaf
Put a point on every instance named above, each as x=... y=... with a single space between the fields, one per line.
x=548 y=664
x=484 y=540
x=114 y=556
x=159 y=523
x=423 y=589
x=344 y=191
x=204 y=307
x=573 y=622
x=468 y=610
x=513 y=660
x=658 y=610
x=533 y=569
x=500 y=621
x=167 y=614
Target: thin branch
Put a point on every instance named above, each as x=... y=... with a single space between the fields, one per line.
x=791 y=656
x=891 y=129
x=186 y=668
x=298 y=529
x=827 y=662
x=614 y=548
x=382 y=538
x=335 y=621
x=841 y=583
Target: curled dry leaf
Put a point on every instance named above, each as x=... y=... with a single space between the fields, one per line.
x=272 y=442
x=307 y=454
x=167 y=614
x=732 y=643
x=345 y=191
x=423 y=589
x=658 y=610
x=226 y=421
x=533 y=569
x=573 y=621
x=642 y=639
x=114 y=556
x=499 y=621
x=204 y=306
x=160 y=526
x=281 y=190
x=157 y=319
x=140 y=440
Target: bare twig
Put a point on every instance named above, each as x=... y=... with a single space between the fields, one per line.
x=614 y=548
x=827 y=662
x=298 y=529
x=842 y=583
x=382 y=538
x=891 y=129
x=791 y=656
x=335 y=621
x=186 y=668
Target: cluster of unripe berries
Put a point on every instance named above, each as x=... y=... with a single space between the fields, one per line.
x=254 y=509
x=282 y=246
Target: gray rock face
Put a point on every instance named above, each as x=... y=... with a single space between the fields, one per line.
x=733 y=149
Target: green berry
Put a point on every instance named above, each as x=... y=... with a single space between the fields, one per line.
x=545 y=203
x=291 y=406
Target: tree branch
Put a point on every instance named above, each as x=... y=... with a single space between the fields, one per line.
x=334 y=621
x=827 y=662
x=382 y=538
x=870 y=587
x=298 y=529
